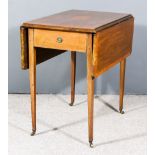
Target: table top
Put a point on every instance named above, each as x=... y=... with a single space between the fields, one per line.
x=78 y=20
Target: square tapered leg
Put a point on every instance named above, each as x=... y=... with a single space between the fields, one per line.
x=122 y=81
x=32 y=76
x=90 y=90
x=73 y=75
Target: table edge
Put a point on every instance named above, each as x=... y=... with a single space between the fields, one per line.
x=74 y=29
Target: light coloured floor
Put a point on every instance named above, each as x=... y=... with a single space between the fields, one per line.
x=62 y=129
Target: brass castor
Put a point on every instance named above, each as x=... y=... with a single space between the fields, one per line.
x=71 y=104
x=91 y=144
x=122 y=112
x=33 y=132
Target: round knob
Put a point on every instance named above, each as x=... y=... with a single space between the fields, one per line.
x=59 y=40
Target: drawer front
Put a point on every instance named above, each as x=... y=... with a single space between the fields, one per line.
x=60 y=40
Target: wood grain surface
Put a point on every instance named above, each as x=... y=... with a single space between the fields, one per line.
x=32 y=77
x=122 y=81
x=90 y=88
x=70 y=40
x=78 y=20
x=42 y=54
x=24 y=47
x=73 y=76
x=112 y=45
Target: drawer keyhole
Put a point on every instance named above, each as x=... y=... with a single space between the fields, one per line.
x=59 y=40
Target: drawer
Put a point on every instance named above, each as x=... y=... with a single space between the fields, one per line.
x=62 y=40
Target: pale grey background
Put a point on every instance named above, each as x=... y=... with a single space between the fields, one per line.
x=53 y=76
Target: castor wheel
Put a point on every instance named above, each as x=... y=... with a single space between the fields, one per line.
x=91 y=144
x=122 y=112
x=33 y=132
x=71 y=104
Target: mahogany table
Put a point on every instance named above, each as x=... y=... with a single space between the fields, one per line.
x=105 y=38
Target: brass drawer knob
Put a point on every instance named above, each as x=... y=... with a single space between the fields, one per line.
x=59 y=40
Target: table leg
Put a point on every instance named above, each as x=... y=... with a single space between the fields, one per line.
x=73 y=74
x=122 y=80
x=90 y=87
x=32 y=76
